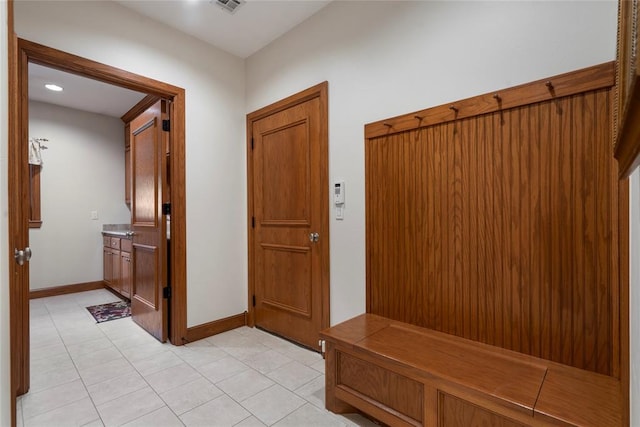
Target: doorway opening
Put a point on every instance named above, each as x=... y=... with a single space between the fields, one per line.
x=19 y=57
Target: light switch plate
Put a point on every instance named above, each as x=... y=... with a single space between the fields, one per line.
x=94 y=215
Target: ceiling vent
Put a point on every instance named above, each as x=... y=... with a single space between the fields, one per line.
x=229 y=5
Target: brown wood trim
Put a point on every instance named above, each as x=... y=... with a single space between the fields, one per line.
x=21 y=52
x=209 y=329
x=36 y=53
x=19 y=337
x=66 y=289
x=18 y=200
x=596 y=77
x=139 y=108
x=251 y=321
x=320 y=91
x=44 y=55
x=623 y=330
x=283 y=104
x=178 y=245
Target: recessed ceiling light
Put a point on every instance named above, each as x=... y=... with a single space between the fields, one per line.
x=53 y=87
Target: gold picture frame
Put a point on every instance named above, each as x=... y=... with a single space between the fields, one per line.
x=627 y=99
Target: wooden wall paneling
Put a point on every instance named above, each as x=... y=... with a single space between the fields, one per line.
x=474 y=241
x=531 y=294
x=428 y=213
x=485 y=279
x=515 y=224
x=499 y=228
x=604 y=268
x=455 y=230
x=580 y=200
x=542 y=305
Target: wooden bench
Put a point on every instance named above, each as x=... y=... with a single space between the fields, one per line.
x=404 y=375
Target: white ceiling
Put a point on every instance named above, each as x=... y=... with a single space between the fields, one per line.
x=80 y=93
x=251 y=27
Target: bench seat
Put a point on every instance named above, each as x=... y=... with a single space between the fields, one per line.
x=405 y=375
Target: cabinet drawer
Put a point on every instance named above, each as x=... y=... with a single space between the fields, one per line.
x=125 y=245
x=115 y=243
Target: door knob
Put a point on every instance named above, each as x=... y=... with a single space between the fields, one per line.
x=313 y=237
x=22 y=255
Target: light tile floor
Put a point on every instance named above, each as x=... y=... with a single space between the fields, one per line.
x=114 y=373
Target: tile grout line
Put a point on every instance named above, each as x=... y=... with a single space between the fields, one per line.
x=64 y=344
x=78 y=370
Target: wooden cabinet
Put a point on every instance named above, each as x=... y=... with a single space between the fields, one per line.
x=117 y=264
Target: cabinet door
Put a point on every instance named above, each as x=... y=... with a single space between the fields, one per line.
x=107 y=265
x=115 y=265
x=125 y=274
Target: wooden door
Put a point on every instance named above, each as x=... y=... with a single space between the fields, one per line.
x=149 y=273
x=290 y=205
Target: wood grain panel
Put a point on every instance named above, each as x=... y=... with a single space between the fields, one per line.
x=456 y=412
x=286 y=186
x=502 y=228
x=388 y=388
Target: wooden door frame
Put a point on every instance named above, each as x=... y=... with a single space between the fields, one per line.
x=19 y=58
x=319 y=91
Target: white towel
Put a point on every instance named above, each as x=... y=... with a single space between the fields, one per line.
x=35 y=152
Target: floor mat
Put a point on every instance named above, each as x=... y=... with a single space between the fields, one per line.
x=110 y=311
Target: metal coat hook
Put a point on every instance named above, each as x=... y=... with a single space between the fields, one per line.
x=418 y=118
x=453 y=108
x=40 y=141
x=549 y=85
x=389 y=125
x=497 y=97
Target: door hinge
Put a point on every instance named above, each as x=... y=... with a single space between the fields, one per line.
x=253 y=222
x=166 y=209
x=166 y=292
x=254 y=300
x=166 y=125
x=252 y=143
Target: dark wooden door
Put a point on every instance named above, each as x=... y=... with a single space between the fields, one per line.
x=290 y=204
x=149 y=273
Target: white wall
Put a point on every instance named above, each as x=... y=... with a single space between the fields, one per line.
x=386 y=58
x=215 y=149
x=83 y=171
x=5 y=378
x=634 y=296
